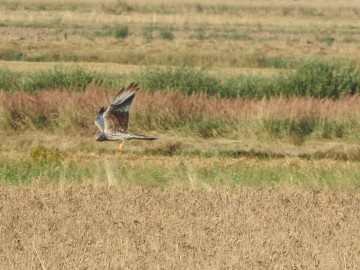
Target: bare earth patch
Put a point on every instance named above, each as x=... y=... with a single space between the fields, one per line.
x=126 y=227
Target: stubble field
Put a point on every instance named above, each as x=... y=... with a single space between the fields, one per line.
x=121 y=227
x=256 y=109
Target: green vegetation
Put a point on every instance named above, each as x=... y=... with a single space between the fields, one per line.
x=185 y=80
x=319 y=79
x=73 y=78
x=148 y=32
x=166 y=33
x=200 y=33
x=323 y=79
x=209 y=171
x=298 y=129
x=26 y=172
x=60 y=77
x=121 y=31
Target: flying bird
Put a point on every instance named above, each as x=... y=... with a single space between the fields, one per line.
x=113 y=120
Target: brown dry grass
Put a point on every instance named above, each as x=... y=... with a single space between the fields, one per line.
x=121 y=227
x=21 y=108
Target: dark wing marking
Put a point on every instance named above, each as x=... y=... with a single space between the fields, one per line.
x=99 y=120
x=118 y=110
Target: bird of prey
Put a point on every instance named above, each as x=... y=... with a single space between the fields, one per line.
x=114 y=119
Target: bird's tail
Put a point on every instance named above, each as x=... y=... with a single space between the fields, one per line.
x=141 y=137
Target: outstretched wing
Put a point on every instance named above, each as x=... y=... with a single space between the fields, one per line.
x=99 y=120
x=116 y=116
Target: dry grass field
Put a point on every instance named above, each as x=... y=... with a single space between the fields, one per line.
x=120 y=227
x=256 y=110
x=203 y=33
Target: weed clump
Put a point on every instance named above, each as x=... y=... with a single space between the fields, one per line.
x=43 y=155
x=319 y=79
x=74 y=78
x=166 y=33
x=185 y=80
x=8 y=80
x=323 y=79
x=297 y=129
x=121 y=31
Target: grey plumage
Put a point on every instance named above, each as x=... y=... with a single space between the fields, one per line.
x=99 y=120
x=113 y=120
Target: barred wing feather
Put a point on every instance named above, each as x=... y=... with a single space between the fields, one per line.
x=116 y=116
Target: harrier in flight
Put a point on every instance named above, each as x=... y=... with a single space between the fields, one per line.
x=114 y=119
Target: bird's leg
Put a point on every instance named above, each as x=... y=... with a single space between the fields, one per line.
x=121 y=146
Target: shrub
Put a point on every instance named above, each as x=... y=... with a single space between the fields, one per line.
x=185 y=80
x=297 y=129
x=74 y=78
x=210 y=127
x=9 y=81
x=121 y=31
x=166 y=33
x=323 y=79
x=329 y=40
x=250 y=86
x=332 y=129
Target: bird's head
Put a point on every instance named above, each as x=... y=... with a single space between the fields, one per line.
x=101 y=137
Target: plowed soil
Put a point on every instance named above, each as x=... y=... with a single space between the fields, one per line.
x=128 y=227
